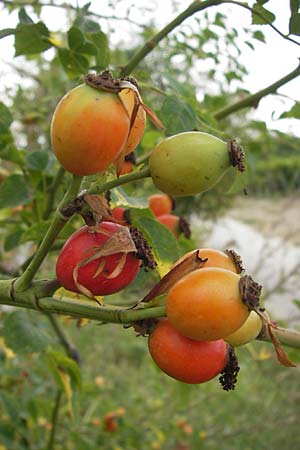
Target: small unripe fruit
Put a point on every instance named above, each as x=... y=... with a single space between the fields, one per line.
x=248 y=331
x=189 y=163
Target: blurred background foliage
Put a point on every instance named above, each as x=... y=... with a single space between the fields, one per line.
x=116 y=399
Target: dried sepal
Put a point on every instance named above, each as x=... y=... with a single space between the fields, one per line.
x=237 y=260
x=118 y=242
x=187 y=265
x=99 y=206
x=228 y=377
x=236 y=155
x=269 y=328
x=250 y=291
x=143 y=249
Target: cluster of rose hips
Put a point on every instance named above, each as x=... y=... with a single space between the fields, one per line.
x=208 y=313
x=100 y=123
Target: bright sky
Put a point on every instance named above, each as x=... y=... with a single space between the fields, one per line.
x=266 y=64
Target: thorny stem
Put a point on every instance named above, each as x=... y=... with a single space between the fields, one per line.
x=252 y=100
x=54 y=419
x=95 y=188
x=39 y=298
x=57 y=223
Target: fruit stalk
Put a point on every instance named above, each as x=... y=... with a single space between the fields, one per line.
x=95 y=188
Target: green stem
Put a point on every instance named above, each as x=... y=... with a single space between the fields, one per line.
x=132 y=176
x=54 y=419
x=38 y=297
x=287 y=337
x=58 y=222
x=194 y=7
x=52 y=191
x=252 y=100
x=64 y=341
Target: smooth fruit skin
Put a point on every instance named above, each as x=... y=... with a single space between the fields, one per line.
x=171 y=222
x=160 y=204
x=185 y=359
x=248 y=331
x=78 y=247
x=89 y=129
x=188 y=163
x=206 y=304
x=138 y=127
x=215 y=258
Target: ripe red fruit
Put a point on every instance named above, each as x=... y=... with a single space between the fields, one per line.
x=101 y=276
x=160 y=204
x=118 y=214
x=185 y=359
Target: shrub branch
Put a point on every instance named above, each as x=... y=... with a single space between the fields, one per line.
x=253 y=100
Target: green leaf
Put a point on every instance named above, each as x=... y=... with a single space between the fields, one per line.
x=177 y=115
x=162 y=242
x=294 y=112
x=120 y=198
x=6 y=117
x=294 y=22
x=14 y=191
x=23 y=334
x=12 y=240
x=24 y=17
x=37 y=160
x=100 y=41
x=37 y=231
x=75 y=38
x=88 y=48
x=66 y=374
x=259 y=36
x=233 y=75
x=11 y=153
x=60 y=360
x=7 y=32
x=261 y=15
x=86 y=25
x=73 y=63
x=31 y=38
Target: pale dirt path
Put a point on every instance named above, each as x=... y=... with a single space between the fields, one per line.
x=272 y=217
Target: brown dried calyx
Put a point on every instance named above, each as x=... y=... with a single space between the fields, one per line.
x=229 y=375
x=104 y=81
x=236 y=155
x=143 y=250
x=250 y=291
x=184 y=227
x=237 y=260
